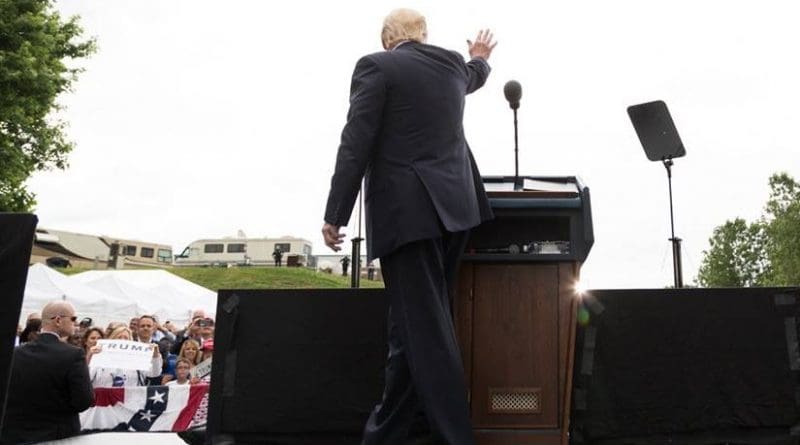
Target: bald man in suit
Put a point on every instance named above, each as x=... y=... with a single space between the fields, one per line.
x=49 y=383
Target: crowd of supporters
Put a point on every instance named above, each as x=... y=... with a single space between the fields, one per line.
x=176 y=352
x=57 y=349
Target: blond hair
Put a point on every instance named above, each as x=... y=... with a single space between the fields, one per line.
x=116 y=332
x=403 y=24
x=113 y=325
x=197 y=356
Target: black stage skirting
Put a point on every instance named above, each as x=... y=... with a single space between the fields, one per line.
x=702 y=366
x=699 y=366
x=16 y=242
x=297 y=366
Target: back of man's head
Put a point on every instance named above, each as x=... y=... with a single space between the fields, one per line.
x=401 y=25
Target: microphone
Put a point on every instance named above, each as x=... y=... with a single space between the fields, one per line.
x=513 y=92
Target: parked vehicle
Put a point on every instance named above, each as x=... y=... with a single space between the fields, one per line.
x=245 y=252
x=137 y=253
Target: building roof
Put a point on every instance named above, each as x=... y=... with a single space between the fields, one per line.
x=229 y=239
x=81 y=245
x=110 y=240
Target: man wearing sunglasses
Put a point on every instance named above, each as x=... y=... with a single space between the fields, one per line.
x=49 y=382
x=205 y=330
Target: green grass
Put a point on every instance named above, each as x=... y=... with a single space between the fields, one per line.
x=216 y=278
x=265 y=278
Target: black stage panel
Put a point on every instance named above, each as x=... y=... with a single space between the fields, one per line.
x=16 y=242
x=702 y=366
x=297 y=366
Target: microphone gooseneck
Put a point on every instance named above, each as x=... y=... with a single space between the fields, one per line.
x=513 y=93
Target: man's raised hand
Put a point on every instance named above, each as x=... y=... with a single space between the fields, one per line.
x=483 y=45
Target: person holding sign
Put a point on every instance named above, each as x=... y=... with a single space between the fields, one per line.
x=89 y=339
x=202 y=372
x=208 y=349
x=119 y=361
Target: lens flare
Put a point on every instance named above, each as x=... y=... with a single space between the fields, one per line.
x=583 y=316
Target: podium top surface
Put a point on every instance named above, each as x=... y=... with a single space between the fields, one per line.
x=529 y=185
x=535 y=191
x=537 y=218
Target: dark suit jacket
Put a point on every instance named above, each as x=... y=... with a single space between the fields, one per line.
x=49 y=386
x=404 y=134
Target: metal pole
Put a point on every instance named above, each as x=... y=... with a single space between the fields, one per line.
x=355 y=272
x=516 y=150
x=677 y=267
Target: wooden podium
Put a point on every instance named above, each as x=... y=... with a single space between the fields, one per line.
x=515 y=308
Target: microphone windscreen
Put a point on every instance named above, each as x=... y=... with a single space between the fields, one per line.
x=513 y=92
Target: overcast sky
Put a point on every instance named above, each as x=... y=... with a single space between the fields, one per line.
x=196 y=119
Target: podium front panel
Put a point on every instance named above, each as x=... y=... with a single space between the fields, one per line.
x=514 y=353
x=514 y=309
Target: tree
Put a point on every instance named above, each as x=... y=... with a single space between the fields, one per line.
x=783 y=231
x=737 y=256
x=35 y=43
x=764 y=253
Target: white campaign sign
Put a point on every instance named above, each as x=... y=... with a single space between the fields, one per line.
x=202 y=369
x=123 y=354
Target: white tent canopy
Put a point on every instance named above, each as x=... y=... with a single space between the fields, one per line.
x=44 y=285
x=156 y=292
x=146 y=302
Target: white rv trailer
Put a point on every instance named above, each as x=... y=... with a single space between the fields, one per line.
x=244 y=251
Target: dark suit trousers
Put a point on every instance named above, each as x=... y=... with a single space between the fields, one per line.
x=424 y=373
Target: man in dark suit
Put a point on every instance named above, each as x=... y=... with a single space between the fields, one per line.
x=404 y=135
x=49 y=383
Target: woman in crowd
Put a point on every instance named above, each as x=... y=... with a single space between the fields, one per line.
x=76 y=339
x=31 y=331
x=106 y=377
x=90 y=338
x=112 y=326
x=207 y=349
x=190 y=350
x=182 y=370
x=208 y=352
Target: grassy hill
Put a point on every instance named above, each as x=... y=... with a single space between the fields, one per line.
x=265 y=278
x=216 y=278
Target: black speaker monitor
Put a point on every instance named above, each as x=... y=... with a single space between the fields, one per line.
x=16 y=242
x=656 y=131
